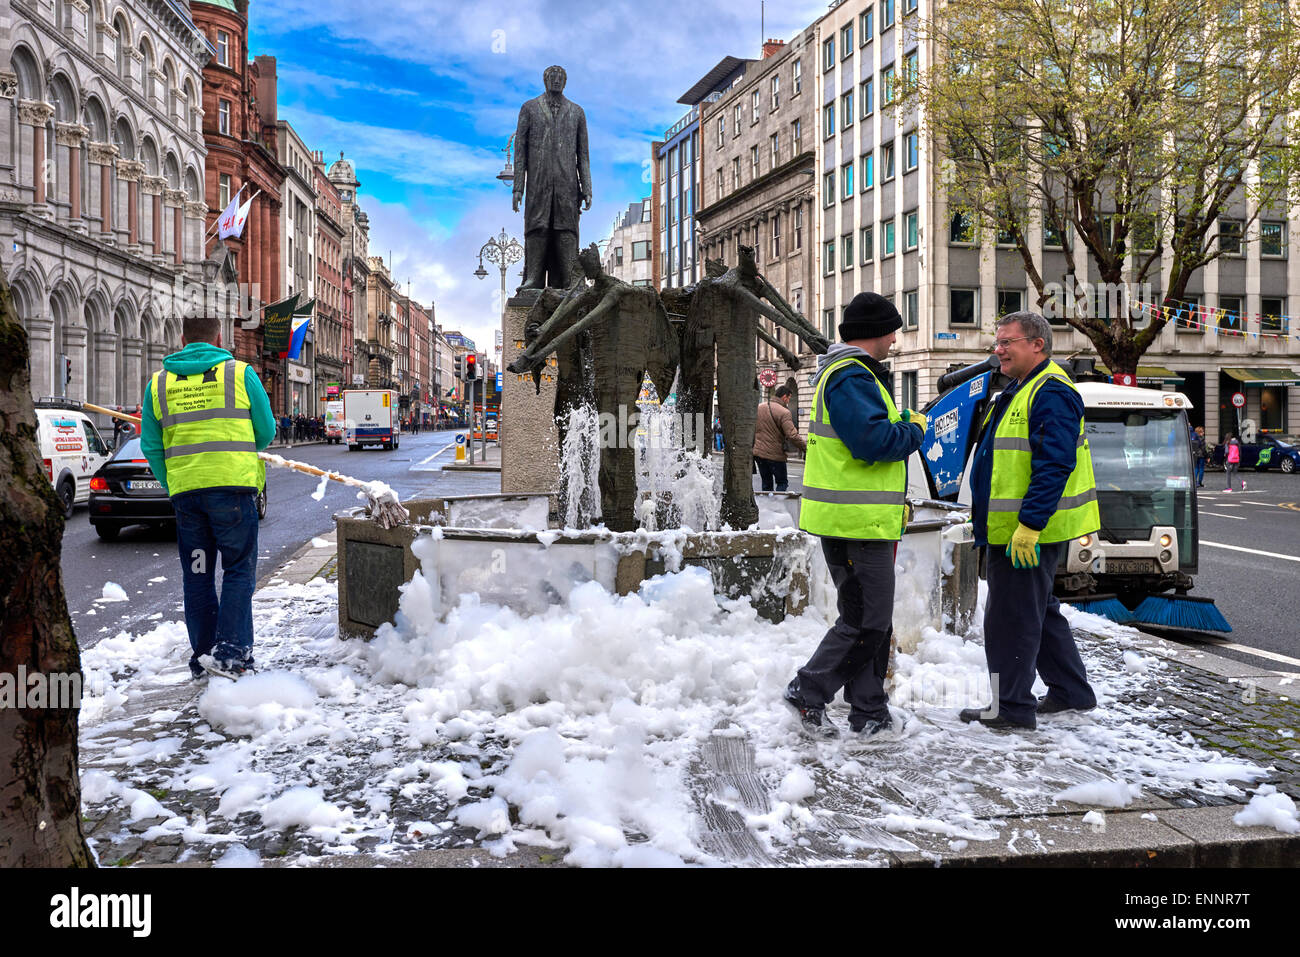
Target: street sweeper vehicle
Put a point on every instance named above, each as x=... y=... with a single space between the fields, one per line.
x=1141 y=564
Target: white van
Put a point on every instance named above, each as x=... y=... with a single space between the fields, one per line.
x=370 y=417
x=71 y=449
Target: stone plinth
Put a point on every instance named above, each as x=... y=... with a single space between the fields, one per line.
x=530 y=454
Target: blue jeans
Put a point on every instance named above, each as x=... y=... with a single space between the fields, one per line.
x=208 y=524
x=772 y=471
x=1200 y=472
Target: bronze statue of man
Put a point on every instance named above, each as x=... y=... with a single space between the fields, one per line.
x=551 y=161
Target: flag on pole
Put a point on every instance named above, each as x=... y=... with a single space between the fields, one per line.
x=298 y=328
x=232 y=219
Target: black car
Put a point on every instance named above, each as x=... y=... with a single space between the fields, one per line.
x=125 y=492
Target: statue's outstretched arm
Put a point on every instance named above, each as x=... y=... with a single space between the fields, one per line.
x=811 y=334
x=790 y=358
x=533 y=356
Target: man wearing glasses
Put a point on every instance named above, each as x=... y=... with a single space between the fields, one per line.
x=1032 y=489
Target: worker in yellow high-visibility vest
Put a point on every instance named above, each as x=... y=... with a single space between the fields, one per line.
x=854 y=486
x=204 y=419
x=1032 y=490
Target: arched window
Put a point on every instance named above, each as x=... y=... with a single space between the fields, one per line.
x=169 y=85
x=191 y=104
x=146 y=75
x=123 y=45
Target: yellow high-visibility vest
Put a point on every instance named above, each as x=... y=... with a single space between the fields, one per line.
x=207 y=429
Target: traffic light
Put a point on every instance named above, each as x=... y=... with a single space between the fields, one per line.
x=460 y=368
x=67 y=371
x=471 y=367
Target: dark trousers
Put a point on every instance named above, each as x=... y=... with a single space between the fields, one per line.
x=208 y=524
x=770 y=470
x=854 y=655
x=1024 y=632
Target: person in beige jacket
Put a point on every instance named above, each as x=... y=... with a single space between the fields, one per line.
x=774 y=428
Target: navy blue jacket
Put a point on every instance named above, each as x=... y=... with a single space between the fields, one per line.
x=1053 y=440
x=858 y=413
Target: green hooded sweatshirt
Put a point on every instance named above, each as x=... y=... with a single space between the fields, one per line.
x=198 y=357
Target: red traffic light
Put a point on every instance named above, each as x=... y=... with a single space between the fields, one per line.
x=471 y=366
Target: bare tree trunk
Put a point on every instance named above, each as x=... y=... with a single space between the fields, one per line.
x=40 y=791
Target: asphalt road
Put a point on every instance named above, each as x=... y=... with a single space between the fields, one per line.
x=145 y=562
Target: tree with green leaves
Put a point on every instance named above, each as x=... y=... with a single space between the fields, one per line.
x=1147 y=137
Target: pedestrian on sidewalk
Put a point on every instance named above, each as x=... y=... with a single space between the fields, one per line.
x=205 y=418
x=1199 y=454
x=854 y=487
x=1032 y=490
x=1232 y=461
x=774 y=432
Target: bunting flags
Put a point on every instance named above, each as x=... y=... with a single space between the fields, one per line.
x=1194 y=316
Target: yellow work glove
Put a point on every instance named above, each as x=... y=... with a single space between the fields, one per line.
x=916 y=418
x=1024 y=550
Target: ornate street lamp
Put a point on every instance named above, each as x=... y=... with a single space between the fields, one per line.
x=507 y=174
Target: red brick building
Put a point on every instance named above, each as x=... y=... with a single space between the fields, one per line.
x=239 y=114
x=334 y=342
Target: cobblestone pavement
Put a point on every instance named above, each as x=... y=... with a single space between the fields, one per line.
x=151 y=767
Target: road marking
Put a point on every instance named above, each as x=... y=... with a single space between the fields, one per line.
x=1252 y=551
x=1258 y=652
x=1240 y=518
x=437 y=453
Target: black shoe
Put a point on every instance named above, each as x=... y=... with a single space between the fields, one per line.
x=197 y=671
x=997 y=722
x=814 y=720
x=872 y=726
x=1049 y=705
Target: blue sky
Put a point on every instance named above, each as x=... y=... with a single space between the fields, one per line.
x=422 y=97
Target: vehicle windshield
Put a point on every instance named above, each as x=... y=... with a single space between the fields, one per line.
x=1281 y=444
x=1143 y=467
x=129 y=449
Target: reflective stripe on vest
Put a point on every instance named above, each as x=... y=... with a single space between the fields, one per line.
x=208 y=439
x=1077 y=512
x=844 y=497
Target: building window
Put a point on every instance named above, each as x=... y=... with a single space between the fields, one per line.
x=828 y=120
x=1052 y=238
x=223 y=190
x=1272 y=238
x=864 y=26
x=887 y=162
x=719 y=182
x=735 y=173
x=796 y=82
x=911 y=149
x=774 y=147
x=828 y=323
x=828 y=256
x=867 y=240
x=828 y=190
x=796 y=133
x=846 y=41
x=776 y=236
x=961 y=229
x=911 y=314
x=640 y=250
x=865 y=89
x=828 y=54
x=223 y=47
x=798 y=228
x=846 y=181
x=1271 y=311
x=846 y=109
x=911 y=231
x=961 y=307
x=847 y=253
x=223 y=117
x=618 y=255
x=1230 y=312
x=888 y=248
x=774 y=94
x=753 y=107
x=753 y=162
x=1006 y=235
x=909 y=381
x=1230 y=236
x=735 y=126
x=722 y=130
x=887 y=86
x=886 y=14
x=911 y=71
x=868 y=171
x=1009 y=301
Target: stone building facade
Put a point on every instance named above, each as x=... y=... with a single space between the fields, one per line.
x=758 y=150
x=380 y=327
x=629 y=251
x=101 y=199
x=355 y=266
x=297 y=252
x=333 y=325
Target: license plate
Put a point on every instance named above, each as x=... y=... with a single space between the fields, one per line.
x=1130 y=566
x=140 y=485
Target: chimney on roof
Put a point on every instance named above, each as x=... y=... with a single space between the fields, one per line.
x=772 y=48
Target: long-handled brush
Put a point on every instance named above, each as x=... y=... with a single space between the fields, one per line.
x=1108 y=606
x=380 y=498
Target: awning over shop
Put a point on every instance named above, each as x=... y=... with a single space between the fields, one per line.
x=1151 y=375
x=1264 y=377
